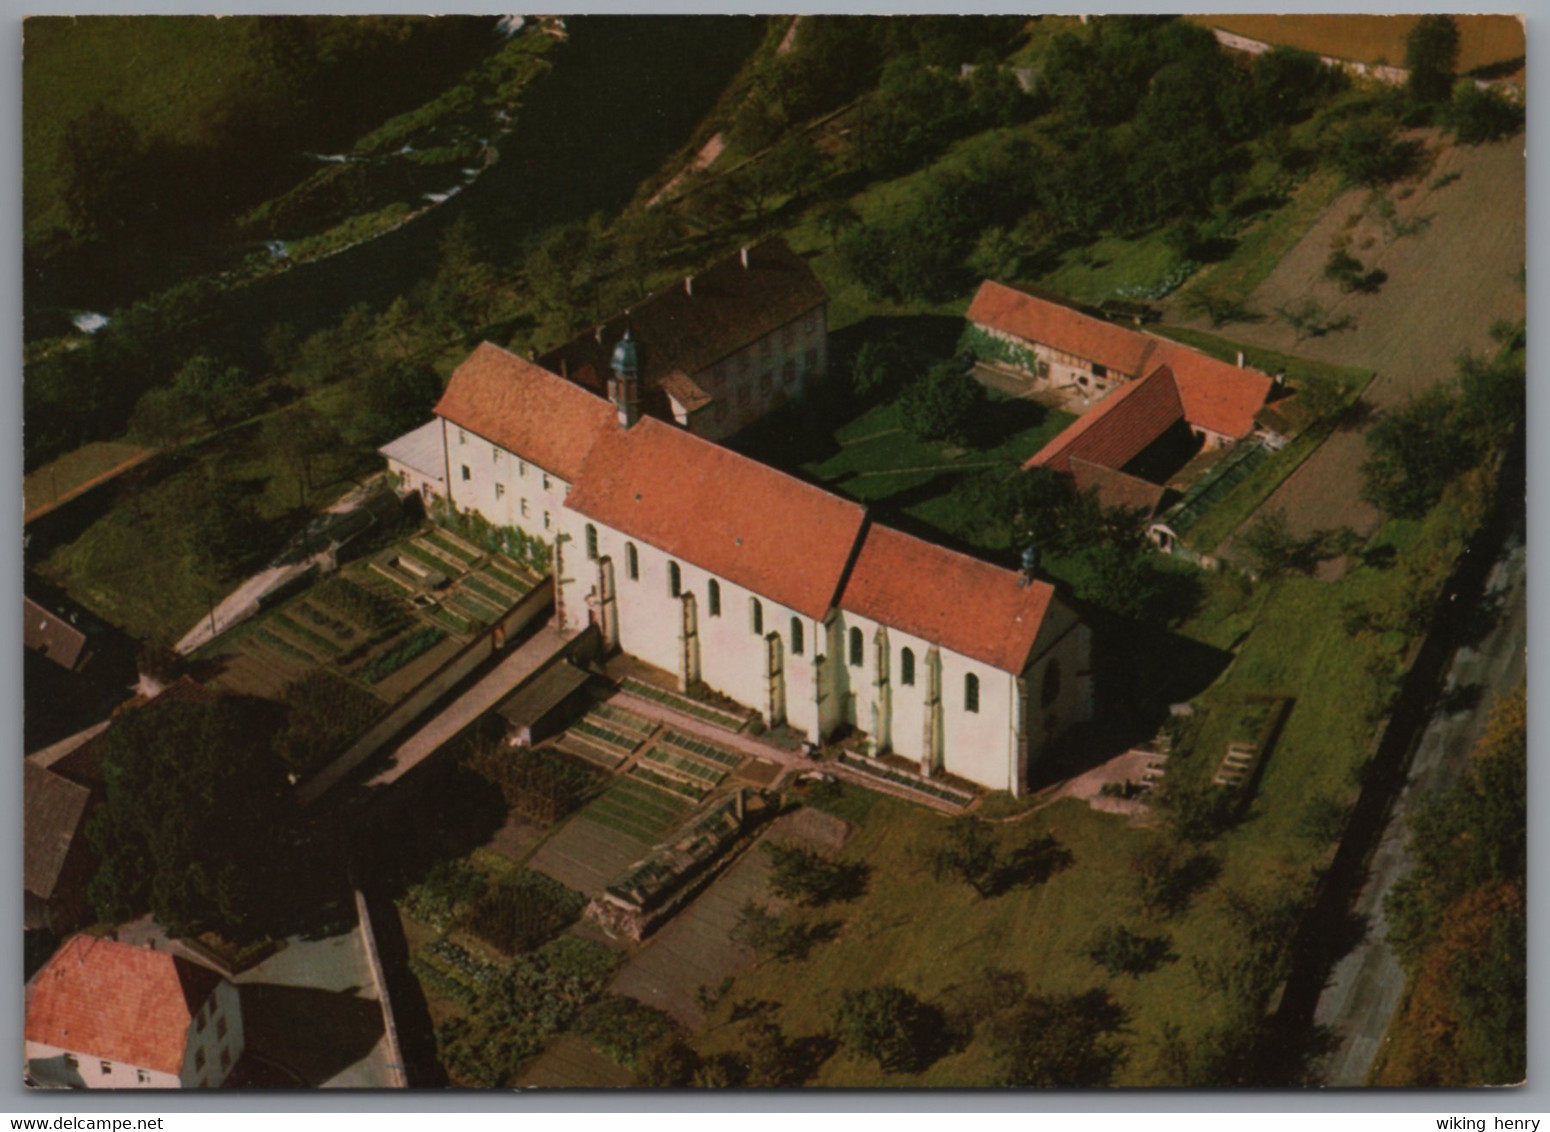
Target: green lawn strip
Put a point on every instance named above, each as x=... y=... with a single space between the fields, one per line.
x=622 y=718
x=684 y=704
x=1263 y=246
x=1334 y=380
x=608 y=758
x=288 y=648
x=646 y=800
x=690 y=766
x=409 y=647
x=449 y=620
x=509 y=580
x=1114 y=268
x=1243 y=500
x=459 y=553
x=482 y=612
x=309 y=636
x=605 y=735
x=501 y=598
x=636 y=819
x=444 y=564
x=956 y=797
x=622 y=821
x=676 y=785
x=342 y=630
x=730 y=759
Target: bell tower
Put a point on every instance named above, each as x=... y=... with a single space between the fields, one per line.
x=624 y=385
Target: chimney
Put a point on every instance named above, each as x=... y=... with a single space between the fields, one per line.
x=1240 y=359
x=598 y=334
x=745 y=257
x=688 y=284
x=532 y=353
x=564 y=366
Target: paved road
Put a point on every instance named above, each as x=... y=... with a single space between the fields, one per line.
x=1366 y=986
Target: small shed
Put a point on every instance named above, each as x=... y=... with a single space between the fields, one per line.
x=547 y=704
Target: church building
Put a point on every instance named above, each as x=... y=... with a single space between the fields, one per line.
x=727 y=573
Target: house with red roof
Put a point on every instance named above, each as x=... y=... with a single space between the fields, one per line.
x=108 y=1015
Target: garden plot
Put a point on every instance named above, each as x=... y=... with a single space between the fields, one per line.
x=678 y=702
x=611 y=834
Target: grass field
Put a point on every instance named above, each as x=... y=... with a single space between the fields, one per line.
x=872 y=458
x=1113 y=268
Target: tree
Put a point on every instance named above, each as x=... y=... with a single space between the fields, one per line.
x=300 y=435
x=1368 y=152
x=972 y=853
x=795 y=163
x=1431 y=54
x=1273 y=550
x=460 y=296
x=102 y=169
x=222 y=392
x=1289 y=83
x=804 y=876
x=947 y=404
x=192 y=816
x=1059 y=1041
x=398 y=399
x=1414 y=452
x=836 y=217
x=1477 y=115
x=1121 y=951
x=888 y=1025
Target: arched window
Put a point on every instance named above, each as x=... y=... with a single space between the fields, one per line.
x=756 y=617
x=591 y=542
x=714 y=593
x=631 y=562
x=796 y=636
x=675 y=580
x=1051 y=687
x=971 y=693
x=855 y=647
x=907 y=666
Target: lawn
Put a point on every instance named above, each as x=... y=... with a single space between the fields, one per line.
x=872 y=458
x=1114 y=268
x=139 y=566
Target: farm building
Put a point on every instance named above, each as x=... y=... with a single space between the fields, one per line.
x=729 y=574
x=1064 y=348
x=719 y=349
x=108 y=1015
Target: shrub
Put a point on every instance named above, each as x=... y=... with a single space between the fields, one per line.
x=890 y=1026
x=522 y=911
x=802 y=875
x=541 y=786
x=947 y=404
x=323 y=713
x=623 y=1029
x=1121 y=951
x=1477 y=115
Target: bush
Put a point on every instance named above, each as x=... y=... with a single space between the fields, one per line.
x=890 y=1026
x=623 y=1029
x=324 y=712
x=522 y=911
x=802 y=875
x=435 y=899
x=1477 y=115
x=1121 y=951
x=947 y=404
x=541 y=786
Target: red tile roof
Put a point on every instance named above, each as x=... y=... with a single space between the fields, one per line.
x=960 y=603
x=106 y=999
x=51 y=634
x=1118 y=428
x=1216 y=395
x=1114 y=487
x=1051 y=324
x=732 y=306
x=725 y=513
x=525 y=409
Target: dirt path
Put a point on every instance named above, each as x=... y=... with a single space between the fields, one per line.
x=1447 y=284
